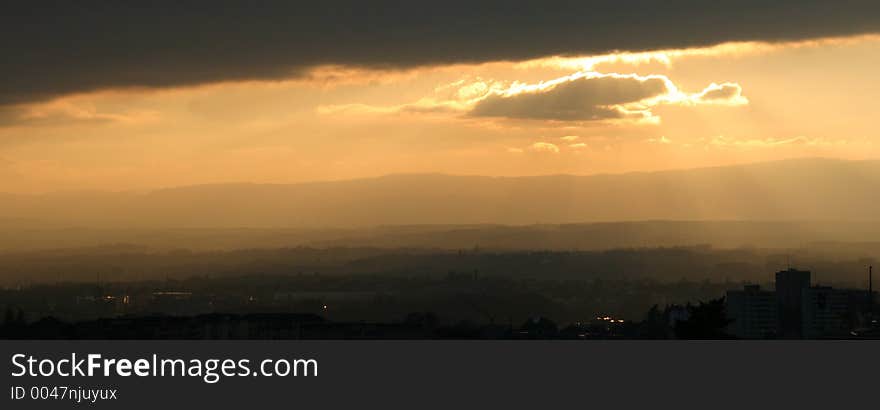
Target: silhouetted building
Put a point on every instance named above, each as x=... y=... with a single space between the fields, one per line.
x=754 y=312
x=790 y=285
x=795 y=309
x=827 y=312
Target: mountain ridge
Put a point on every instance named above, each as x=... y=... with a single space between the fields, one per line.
x=805 y=189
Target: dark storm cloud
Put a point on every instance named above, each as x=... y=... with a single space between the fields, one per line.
x=57 y=47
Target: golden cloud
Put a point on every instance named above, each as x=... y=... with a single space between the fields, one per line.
x=578 y=97
x=545 y=147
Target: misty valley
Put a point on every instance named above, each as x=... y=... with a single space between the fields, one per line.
x=479 y=291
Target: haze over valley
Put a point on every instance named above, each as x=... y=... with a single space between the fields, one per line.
x=791 y=191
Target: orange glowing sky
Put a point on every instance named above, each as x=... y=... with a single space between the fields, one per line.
x=732 y=103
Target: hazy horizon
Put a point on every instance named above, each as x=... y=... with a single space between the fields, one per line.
x=445 y=174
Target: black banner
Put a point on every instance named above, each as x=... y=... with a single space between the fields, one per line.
x=436 y=374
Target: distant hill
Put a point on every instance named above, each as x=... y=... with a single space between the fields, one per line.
x=811 y=189
x=850 y=239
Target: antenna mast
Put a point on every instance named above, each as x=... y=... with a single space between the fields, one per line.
x=871 y=290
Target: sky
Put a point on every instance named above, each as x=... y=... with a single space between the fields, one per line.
x=106 y=96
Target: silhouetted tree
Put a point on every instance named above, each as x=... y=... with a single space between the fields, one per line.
x=655 y=325
x=9 y=316
x=707 y=320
